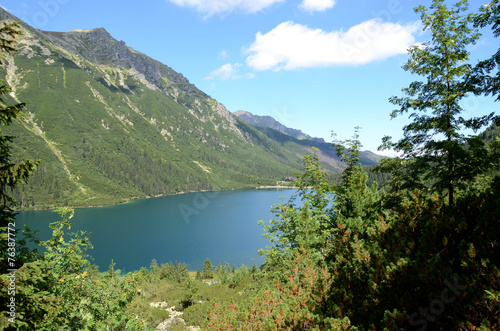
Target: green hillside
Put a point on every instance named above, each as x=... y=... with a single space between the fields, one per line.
x=110 y=124
x=491 y=134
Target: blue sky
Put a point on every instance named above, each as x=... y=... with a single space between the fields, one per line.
x=314 y=65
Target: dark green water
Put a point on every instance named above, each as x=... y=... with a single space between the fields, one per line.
x=185 y=228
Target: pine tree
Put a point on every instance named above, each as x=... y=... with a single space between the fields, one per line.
x=198 y=274
x=154 y=266
x=207 y=269
x=11 y=173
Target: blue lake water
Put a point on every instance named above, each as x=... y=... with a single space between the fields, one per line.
x=189 y=228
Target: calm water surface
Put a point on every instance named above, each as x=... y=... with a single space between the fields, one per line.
x=185 y=228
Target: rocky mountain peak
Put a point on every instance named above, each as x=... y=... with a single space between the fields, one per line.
x=98 y=46
x=6 y=16
x=271 y=123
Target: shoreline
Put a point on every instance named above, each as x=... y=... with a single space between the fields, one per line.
x=128 y=200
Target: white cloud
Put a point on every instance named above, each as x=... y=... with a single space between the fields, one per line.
x=388 y=153
x=316 y=5
x=229 y=71
x=211 y=7
x=225 y=72
x=294 y=46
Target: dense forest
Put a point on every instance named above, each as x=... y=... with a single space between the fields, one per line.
x=420 y=254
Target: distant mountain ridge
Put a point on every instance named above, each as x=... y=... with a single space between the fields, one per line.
x=110 y=124
x=284 y=135
x=270 y=122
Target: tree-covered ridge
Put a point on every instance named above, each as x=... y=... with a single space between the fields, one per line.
x=491 y=134
x=110 y=124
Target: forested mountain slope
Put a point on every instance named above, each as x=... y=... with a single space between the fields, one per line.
x=109 y=124
x=491 y=134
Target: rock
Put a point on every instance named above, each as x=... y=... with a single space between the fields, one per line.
x=170 y=322
x=174 y=318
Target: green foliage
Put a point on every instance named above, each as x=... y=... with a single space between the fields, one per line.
x=347 y=256
x=483 y=78
x=310 y=241
x=104 y=136
x=434 y=148
x=62 y=290
x=8 y=32
x=191 y=292
x=292 y=303
x=312 y=225
x=198 y=274
x=207 y=269
x=11 y=174
x=306 y=226
x=491 y=135
x=176 y=273
x=371 y=260
x=190 y=296
x=155 y=269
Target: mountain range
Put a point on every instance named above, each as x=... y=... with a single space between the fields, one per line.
x=270 y=123
x=110 y=124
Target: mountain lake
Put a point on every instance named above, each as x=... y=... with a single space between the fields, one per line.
x=190 y=227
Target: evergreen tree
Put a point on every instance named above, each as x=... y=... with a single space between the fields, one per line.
x=191 y=292
x=434 y=148
x=11 y=173
x=198 y=274
x=207 y=269
x=182 y=272
x=221 y=273
x=153 y=267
